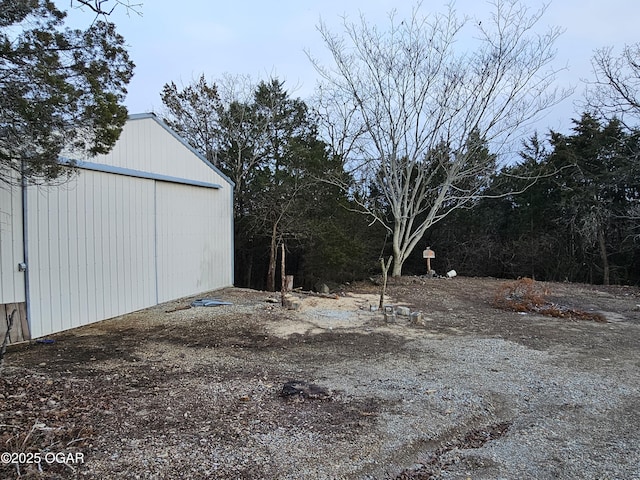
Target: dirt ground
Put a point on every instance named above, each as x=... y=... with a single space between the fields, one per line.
x=470 y=392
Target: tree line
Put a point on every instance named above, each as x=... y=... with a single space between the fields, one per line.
x=404 y=145
x=566 y=211
x=578 y=222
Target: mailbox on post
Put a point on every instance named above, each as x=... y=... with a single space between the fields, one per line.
x=429 y=254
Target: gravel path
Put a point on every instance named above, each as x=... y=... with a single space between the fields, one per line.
x=475 y=393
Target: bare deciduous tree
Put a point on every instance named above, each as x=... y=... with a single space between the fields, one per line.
x=615 y=93
x=616 y=88
x=412 y=116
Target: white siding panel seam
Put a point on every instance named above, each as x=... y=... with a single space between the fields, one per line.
x=155 y=241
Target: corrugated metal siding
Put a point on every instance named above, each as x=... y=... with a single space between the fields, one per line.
x=106 y=244
x=147 y=146
x=90 y=243
x=12 y=289
x=194 y=240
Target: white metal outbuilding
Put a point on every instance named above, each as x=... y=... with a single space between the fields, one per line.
x=149 y=222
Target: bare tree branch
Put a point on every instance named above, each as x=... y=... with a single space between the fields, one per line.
x=616 y=88
x=107 y=7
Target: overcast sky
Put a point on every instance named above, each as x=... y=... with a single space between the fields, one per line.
x=179 y=41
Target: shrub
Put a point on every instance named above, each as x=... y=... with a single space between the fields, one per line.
x=527 y=295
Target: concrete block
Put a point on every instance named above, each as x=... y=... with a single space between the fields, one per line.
x=417 y=319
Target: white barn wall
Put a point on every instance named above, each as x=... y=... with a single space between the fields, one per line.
x=90 y=243
x=194 y=240
x=146 y=145
x=147 y=223
x=12 y=282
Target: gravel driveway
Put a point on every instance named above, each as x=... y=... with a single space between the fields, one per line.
x=474 y=392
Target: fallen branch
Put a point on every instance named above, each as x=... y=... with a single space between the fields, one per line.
x=183 y=307
x=309 y=293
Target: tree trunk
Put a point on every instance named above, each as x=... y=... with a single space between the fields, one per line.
x=397 y=268
x=398 y=260
x=603 y=256
x=249 y=271
x=283 y=289
x=271 y=272
x=385 y=274
x=396 y=271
